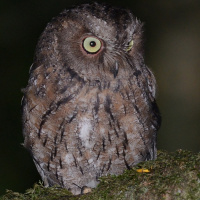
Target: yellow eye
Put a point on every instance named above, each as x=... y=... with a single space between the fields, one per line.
x=91 y=45
x=130 y=45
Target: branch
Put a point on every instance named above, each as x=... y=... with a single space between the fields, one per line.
x=172 y=176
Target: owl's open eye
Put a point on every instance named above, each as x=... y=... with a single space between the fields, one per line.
x=130 y=45
x=91 y=45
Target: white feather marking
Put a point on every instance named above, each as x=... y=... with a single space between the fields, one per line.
x=92 y=184
x=69 y=158
x=85 y=129
x=35 y=82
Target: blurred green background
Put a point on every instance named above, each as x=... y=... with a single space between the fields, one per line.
x=172 y=32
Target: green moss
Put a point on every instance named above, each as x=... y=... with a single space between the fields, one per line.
x=172 y=176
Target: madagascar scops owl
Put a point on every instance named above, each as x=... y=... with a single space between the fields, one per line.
x=89 y=107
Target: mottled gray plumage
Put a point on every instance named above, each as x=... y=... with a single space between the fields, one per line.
x=89 y=114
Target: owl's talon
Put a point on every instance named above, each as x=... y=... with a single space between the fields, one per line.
x=85 y=190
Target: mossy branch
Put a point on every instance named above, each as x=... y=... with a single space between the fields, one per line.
x=172 y=176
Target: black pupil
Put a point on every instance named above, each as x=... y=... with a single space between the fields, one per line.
x=92 y=43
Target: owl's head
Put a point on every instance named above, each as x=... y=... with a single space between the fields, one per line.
x=94 y=40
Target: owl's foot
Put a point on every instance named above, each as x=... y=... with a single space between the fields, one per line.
x=85 y=190
x=78 y=190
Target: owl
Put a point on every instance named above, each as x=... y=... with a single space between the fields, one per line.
x=89 y=108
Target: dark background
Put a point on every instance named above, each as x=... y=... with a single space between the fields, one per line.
x=172 y=32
